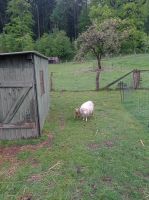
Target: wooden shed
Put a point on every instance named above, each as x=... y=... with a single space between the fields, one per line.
x=53 y=60
x=24 y=94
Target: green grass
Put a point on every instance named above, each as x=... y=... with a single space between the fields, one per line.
x=102 y=159
x=137 y=102
x=72 y=76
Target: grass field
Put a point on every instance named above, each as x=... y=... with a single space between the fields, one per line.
x=106 y=158
x=72 y=76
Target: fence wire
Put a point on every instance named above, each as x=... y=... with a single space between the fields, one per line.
x=136 y=99
x=137 y=103
x=73 y=81
x=86 y=80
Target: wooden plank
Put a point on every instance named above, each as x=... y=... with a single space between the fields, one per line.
x=113 y=82
x=15 y=84
x=143 y=70
x=43 y=101
x=18 y=126
x=13 y=134
x=16 y=105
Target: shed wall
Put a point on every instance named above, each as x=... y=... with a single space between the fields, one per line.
x=41 y=65
x=17 y=70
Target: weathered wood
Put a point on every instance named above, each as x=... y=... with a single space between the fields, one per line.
x=117 y=80
x=16 y=105
x=14 y=84
x=18 y=126
x=43 y=100
x=144 y=70
x=12 y=134
x=51 y=82
x=22 y=107
x=136 y=79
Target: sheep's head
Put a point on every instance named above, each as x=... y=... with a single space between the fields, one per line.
x=77 y=113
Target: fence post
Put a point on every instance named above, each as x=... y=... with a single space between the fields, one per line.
x=51 y=82
x=136 y=79
x=121 y=90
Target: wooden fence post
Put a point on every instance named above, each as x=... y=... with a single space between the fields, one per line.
x=136 y=79
x=51 y=82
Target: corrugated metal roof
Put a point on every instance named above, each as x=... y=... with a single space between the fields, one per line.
x=23 y=52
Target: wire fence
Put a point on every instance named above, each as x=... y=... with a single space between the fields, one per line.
x=72 y=81
x=137 y=103
x=134 y=93
x=86 y=80
x=133 y=87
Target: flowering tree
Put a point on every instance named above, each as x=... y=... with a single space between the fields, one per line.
x=100 y=40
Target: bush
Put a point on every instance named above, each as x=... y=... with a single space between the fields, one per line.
x=55 y=44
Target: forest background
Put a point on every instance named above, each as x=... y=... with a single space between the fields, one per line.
x=52 y=26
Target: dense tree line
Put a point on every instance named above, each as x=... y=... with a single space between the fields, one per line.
x=48 y=14
x=52 y=26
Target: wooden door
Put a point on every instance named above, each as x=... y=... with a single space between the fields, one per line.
x=17 y=105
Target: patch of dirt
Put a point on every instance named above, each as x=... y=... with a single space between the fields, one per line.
x=35 y=178
x=10 y=153
x=26 y=197
x=11 y=171
x=95 y=146
x=109 y=144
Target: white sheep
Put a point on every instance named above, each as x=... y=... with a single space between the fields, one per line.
x=85 y=110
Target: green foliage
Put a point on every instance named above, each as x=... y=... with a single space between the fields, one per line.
x=134 y=13
x=71 y=16
x=100 y=13
x=43 y=45
x=2 y=43
x=55 y=44
x=146 y=9
x=59 y=15
x=145 y=43
x=17 y=35
x=84 y=20
x=137 y=42
x=101 y=40
x=3 y=15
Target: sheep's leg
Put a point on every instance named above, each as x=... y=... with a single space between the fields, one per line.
x=86 y=119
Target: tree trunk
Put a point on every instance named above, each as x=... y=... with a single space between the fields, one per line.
x=38 y=21
x=97 y=80
x=98 y=72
